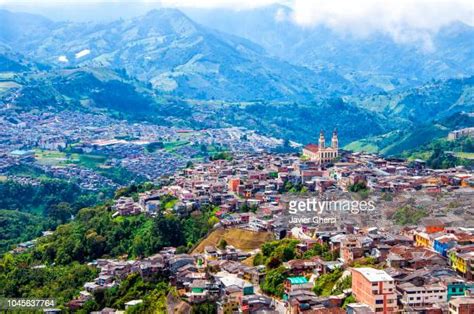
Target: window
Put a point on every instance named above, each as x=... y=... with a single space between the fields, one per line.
x=378 y=301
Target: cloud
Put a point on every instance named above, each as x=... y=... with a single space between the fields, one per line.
x=410 y=21
x=406 y=21
x=403 y=20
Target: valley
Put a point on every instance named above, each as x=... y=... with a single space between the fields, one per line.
x=155 y=161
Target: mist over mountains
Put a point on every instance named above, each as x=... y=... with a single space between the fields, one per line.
x=167 y=62
x=221 y=48
x=375 y=55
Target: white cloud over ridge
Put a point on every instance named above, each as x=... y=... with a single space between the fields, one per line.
x=421 y=14
x=403 y=20
x=409 y=21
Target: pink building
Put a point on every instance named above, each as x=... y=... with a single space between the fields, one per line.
x=375 y=288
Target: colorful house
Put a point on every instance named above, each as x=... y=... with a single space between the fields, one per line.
x=296 y=283
x=433 y=225
x=423 y=239
x=463 y=263
x=458 y=288
x=375 y=288
x=444 y=243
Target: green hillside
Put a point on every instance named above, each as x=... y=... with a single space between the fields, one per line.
x=432 y=101
x=401 y=141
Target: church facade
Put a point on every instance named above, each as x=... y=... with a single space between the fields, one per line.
x=320 y=153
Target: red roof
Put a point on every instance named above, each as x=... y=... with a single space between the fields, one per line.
x=312 y=148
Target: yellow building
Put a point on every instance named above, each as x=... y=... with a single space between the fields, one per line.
x=423 y=239
x=463 y=263
x=320 y=153
x=460 y=264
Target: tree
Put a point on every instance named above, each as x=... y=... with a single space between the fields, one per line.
x=350 y=299
x=342 y=284
x=60 y=212
x=325 y=283
x=258 y=259
x=222 y=244
x=358 y=186
x=273 y=283
x=204 y=308
x=170 y=230
x=212 y=221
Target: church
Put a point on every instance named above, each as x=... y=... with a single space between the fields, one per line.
x=320 y=153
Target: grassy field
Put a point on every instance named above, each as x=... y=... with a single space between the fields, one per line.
x=47 y=157
x=59 y=158
x=90 y=161
x=172 y=146
x=362 y=146
x=241 y=239
x=465 y=155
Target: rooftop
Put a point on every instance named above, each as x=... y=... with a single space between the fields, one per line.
x=297 y=280
x=373 y=275
x=312 y=148
x=462 y=300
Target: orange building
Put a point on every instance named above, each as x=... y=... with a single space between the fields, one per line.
x=234 y=184
x=434 y=228
x=374 y=288
x=433 y=225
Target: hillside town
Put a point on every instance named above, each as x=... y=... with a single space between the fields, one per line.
x=237 y=157
x=86 y=148
x=410 y=251
x=422 y=266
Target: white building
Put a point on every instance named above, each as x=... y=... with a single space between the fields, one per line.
x=320 y=153
x=414 y=296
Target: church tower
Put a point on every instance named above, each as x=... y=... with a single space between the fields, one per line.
x=334 y=141
x=322 y=141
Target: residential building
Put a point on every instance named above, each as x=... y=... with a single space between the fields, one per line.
x=375 y=288
x=418 y=296
x=461 y=305
x=292 y=284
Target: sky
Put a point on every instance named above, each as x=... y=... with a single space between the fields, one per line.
x=403 y=20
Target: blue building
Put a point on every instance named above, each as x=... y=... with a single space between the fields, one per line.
x=443 y=244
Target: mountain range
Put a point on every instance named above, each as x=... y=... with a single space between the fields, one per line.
x=176 y=55
x=372 y=59
x=247 y=68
